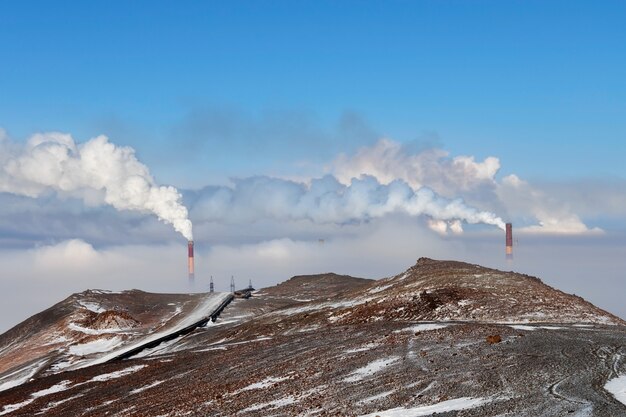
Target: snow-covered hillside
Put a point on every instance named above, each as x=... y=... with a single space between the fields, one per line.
x=95 y=327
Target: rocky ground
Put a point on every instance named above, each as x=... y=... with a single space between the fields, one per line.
x=443 y=337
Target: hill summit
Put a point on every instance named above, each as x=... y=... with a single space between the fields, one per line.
x=450 y=290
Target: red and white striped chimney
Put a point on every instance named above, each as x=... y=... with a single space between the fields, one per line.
x=509 y=241
x=190 y=261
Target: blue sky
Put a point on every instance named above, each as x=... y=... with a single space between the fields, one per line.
x=538 y=84
x=245 y=106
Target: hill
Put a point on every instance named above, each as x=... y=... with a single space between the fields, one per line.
x=440 y=337
x=91 y=327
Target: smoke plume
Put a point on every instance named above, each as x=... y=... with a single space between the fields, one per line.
x=388 y=160
x=326 y=200
x=96 y=171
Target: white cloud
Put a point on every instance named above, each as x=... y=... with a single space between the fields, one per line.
x=75 y=253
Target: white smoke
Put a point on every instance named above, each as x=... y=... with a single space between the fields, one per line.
x=388 y=160
x=476 y=182
x=326 y=200
x=96 y=171
x=443 y=227
x=553 y=214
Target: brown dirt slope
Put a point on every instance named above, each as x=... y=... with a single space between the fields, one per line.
x=319 y=286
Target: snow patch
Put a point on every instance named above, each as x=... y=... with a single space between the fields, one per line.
x=21 y=376
x=309 y=328
x=320 y=306
x=95 y=346
x=94 y=307
x=116 y=374
x=522 y=327
x=422 y=327
x=61 y=365
x=403 y=277
x=221 y=323
x=333 y=319
x=364 y=348
x=272 y=404
x=266 y=383
x=56 y=339
x=61 y=386
x=54 y=404
x=210 y=349
x=258 y=339
x=617 y=387
x=379 y=289
x=86 y=330
x=371 y=368
x=161 y=348
x=146 y=387
x=457 y=404
x=376 y=397
x=12 y=407
x=532 y=328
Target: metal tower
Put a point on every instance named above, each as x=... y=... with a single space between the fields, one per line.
x=232 y=283
x=211 y=289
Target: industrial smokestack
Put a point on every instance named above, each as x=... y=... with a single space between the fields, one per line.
x=190 y=261
x=509 y=241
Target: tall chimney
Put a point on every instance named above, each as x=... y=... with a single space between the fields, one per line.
x=509 y=241
x=190 y=261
